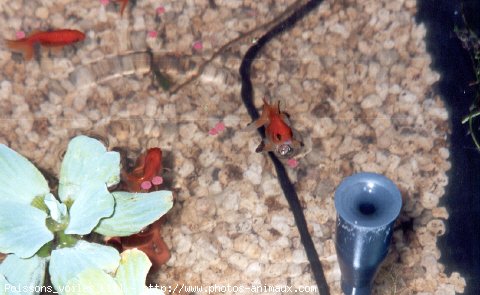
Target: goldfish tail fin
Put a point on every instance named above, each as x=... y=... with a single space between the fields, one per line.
x=122 y=8
x=23 y=46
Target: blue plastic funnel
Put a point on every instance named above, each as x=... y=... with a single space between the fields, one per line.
x=367 y=205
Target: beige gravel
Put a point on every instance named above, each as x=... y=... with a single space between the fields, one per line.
x=354 y=76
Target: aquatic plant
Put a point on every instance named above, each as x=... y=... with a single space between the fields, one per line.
x=37 y=229
x=471 y=43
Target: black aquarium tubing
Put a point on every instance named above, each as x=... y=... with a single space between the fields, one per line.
x=285 y=183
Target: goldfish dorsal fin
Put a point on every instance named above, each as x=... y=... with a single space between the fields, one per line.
x=281 y=105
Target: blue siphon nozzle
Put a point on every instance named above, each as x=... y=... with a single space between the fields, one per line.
x=367 y=206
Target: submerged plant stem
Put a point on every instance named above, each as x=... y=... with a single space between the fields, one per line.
x=471 y=43
x=471 y=116
x=45 y=250
x=265 y=27
x=474 y=138
x=65 y=240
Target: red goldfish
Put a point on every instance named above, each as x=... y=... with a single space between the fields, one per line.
x=124 y=4
x=146 y=169
x=57 y=38
x=279 y=135
x=149 y=240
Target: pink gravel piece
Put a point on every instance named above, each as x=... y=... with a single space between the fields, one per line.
x=160 y=10
x=292 y=163
x=152 y=34
x=157 y=180
x=146 y=185
x=197 y=45
x=20 y=34
x=213 y=131
x=220 y=127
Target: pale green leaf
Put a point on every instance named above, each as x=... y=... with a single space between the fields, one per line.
x=67 y=263
x=93 y=202
x=152 y=291
x=19 y=179
x=22 y=229
x=23 y=276
x=4 y=286
x=91 y=281
x=86 y=161
x=134 y=211
x=132 y=272
x=58 y=211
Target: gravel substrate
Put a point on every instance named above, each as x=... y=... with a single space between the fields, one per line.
x=353 y=75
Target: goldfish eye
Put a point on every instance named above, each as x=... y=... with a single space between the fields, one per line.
x=279 y=136
x=285 y=150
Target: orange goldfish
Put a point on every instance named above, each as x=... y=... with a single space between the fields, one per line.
x=279 y=135
x=148 y=166
x=56 y=38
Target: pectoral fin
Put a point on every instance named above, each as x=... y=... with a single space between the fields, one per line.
x=265 y=146
x=260 y=147
x=262 y=121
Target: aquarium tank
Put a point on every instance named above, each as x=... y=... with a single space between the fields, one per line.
x=191 y=147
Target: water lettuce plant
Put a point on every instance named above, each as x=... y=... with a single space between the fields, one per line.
x=39 y=231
